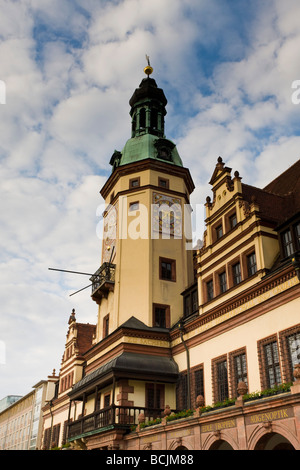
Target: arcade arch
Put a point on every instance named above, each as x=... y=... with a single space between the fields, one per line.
x=273 y=441
x=221 y=445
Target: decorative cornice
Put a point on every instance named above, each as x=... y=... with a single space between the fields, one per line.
x=248 y=232
x=147 y=164
x=149 y=186
x=119 y=333
x=244 y=302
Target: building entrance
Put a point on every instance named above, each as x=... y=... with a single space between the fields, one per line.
x=273 y=441
x=221 y=445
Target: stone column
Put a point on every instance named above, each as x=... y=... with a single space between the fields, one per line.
x=242 y=389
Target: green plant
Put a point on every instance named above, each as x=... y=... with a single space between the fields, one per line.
x=282 y=388
x=66 y=446
x=180 y=414
x=221 y=404
x=225 y=403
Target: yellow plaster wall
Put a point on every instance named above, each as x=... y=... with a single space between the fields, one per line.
x=137 y=259
x=270 y=251
x=245 y=335
x=140 y=393
x=147 y=177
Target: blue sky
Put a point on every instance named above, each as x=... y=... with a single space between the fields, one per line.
x=70 y=68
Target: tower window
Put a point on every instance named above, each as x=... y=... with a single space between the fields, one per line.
x=134 y=206
x=105 y=326
x=163 y=183
x=161 y=316
x=154 y=119
x=134 y=124
x=142 y=118
x=134 y=182
x=167 y=269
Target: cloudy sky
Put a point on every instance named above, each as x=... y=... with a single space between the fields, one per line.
x=68 y=69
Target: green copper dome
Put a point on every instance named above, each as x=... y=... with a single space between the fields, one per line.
x=149 y=146
x=148 y=109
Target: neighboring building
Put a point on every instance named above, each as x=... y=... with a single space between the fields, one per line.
x=21 y=424
x=9 y=400
x=205 y=331
x=58 y=409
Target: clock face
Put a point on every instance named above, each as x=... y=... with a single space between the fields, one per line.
x=166 y=215
x=109 y=235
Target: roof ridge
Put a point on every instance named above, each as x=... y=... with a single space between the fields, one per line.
x=271 y=187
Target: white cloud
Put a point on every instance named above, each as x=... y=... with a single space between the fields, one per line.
x=70 y=69
x=275 y=158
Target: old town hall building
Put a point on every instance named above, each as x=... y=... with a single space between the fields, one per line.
x=192 y=349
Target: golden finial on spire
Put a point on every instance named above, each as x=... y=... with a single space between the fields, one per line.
x=148 y=70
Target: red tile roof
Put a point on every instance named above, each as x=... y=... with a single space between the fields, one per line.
x=280 y=199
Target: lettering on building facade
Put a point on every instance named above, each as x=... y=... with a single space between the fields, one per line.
x=283 y=413
x=180 y=433
x=218 y=426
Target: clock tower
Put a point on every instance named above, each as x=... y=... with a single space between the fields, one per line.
x=147 y=260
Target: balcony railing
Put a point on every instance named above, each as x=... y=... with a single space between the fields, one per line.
x=119 y=416
x=103 y=280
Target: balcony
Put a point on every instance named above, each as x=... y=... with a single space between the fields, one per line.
x=109 y=418
x=103 y=281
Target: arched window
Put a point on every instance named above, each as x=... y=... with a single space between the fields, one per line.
x=154 y=119
x=133 y=124
x=142 y=118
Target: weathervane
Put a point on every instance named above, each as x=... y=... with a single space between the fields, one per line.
x=148 y=70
